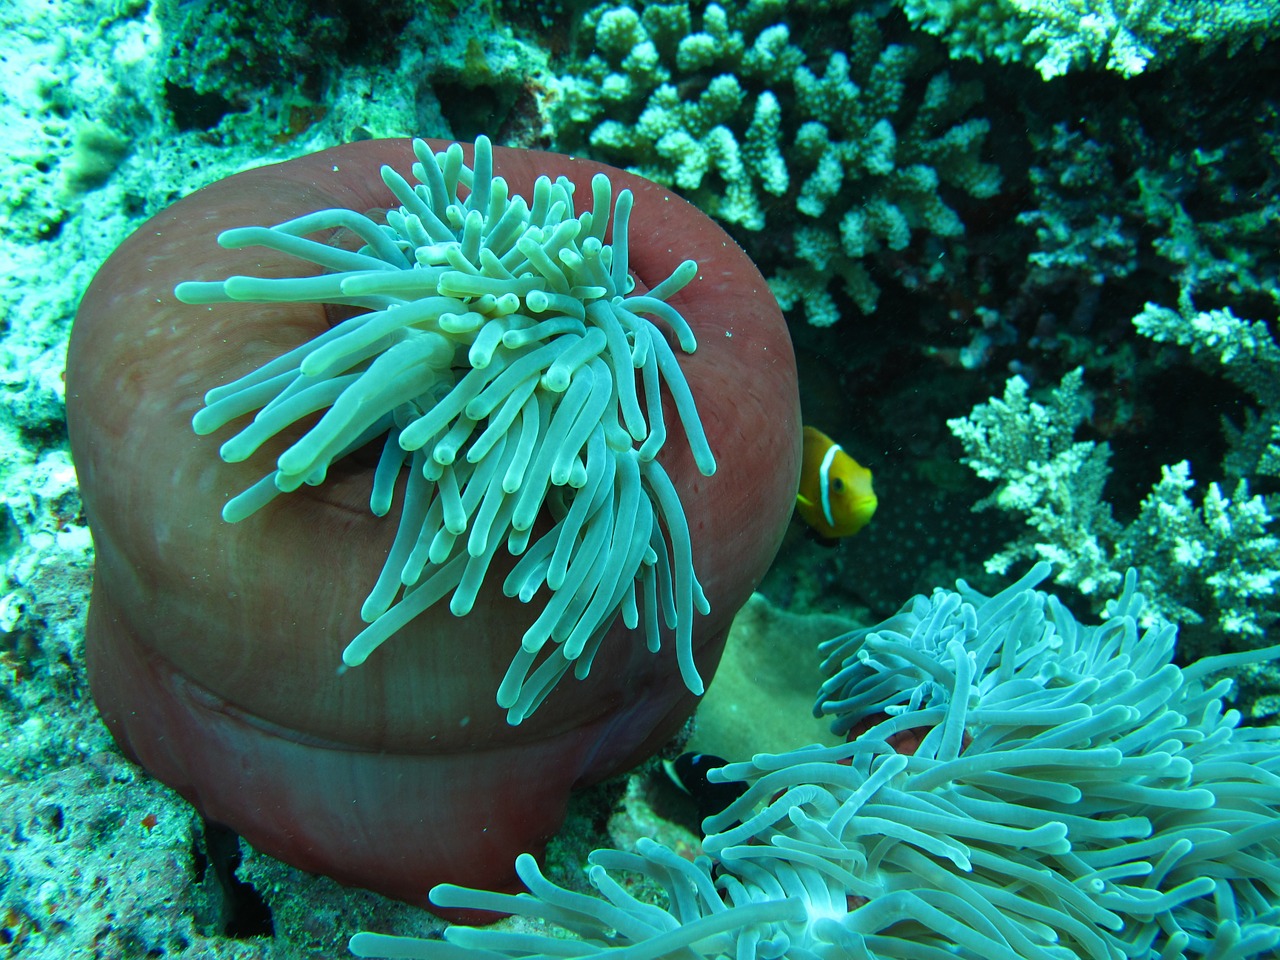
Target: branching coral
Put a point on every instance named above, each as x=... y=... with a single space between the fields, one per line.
x=497 y=363
x=1246 y=354
x=1126 y=36
x=1188 y=205
x=1191 y=209
x=1029 y=450
x=1217 y=556
x=761 y=123
x=1217 y=560
x=1071 y=792
x=1078 y=229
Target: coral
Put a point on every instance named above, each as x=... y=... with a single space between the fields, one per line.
x=214 y=649
x=1213 y=198
x=1247 y=355
x=978 y=29
x=1181 y=197
x=102 y=861
x=1078 y=229
x=1019 y=785
x=1220 y=555
x=270 y=74
x=221 y=56
x=84 y=879
x=457 y=69
x=96 y=154
x=760 y=122
x=1029 y=450
x=1126 y=36
x=1216 y=561
x=45 y=560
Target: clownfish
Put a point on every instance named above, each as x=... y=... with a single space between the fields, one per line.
x=836 y=498
x=689 y=774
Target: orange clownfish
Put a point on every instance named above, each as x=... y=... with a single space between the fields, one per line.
x=835 y=498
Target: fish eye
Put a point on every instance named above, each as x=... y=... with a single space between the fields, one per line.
x=837 y=485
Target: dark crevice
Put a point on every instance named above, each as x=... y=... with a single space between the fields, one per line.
x=244 y=913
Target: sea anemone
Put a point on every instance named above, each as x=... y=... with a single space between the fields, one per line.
x=1075 y=794
x=498 y=362
x=473 y=419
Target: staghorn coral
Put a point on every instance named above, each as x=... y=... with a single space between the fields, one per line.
x=1219 y=557
x=783 y=118
x=1078 y=230
x=1215 y=561
x=1069 y=792
x=1126 y=36
x=1202 y=192
x=1248 y=356
x=1029 y=450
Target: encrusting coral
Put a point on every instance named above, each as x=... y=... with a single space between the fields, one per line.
x=473 y=391
x=1018 y=786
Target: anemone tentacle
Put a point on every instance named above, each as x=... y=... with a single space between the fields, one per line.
x=1076 y=794
x=498 y=359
